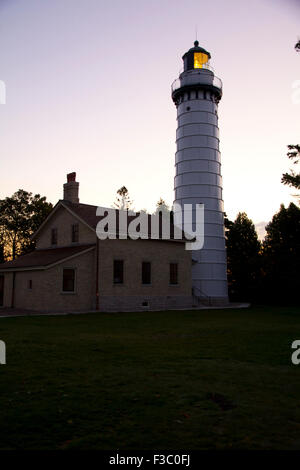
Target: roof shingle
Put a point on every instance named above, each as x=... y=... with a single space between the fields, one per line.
x=43 y=258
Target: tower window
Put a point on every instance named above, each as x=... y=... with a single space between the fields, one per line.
x=30 y=284
x=75 y=233
x=173 y=273
x=54 y=236
x=188 y=108
x=146 y=272
x=118 y=276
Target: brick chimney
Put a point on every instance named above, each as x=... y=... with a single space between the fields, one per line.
x=71 y=189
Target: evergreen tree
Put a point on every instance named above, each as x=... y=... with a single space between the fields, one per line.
x=162 y=207
x=292 y=179
x=281 y=250
x=243 y=258
x=123 y=200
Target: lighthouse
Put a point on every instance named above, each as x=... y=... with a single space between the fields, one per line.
x=196 y=94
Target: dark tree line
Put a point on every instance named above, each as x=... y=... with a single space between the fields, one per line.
x=243 y=257
x=267 y=271
x=281 y=255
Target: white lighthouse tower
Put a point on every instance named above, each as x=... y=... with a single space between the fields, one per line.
x=196 y=94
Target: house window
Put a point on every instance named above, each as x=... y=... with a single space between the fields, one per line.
x=146 y=272
x=69 y=280
x=30 y=284
x=173 y=273
x=54 y=236
x=118 y=271
x=75 y=233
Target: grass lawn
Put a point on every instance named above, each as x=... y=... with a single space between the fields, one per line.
x=214 y=379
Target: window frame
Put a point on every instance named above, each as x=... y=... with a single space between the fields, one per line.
x=121 y=282
x=75 y=233
x=150 y=273
x=173 y=263
x=54 y=236
x=69 y=268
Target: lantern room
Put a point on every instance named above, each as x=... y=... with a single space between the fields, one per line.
x=196 y=58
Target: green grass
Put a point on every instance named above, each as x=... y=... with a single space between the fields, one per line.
x=214 y=379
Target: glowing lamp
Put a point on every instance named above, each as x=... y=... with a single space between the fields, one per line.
x=200 y=58
x=195 y=58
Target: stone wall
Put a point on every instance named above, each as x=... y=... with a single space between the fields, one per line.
x=135 y=303
x=131 y=295
x=46 y=293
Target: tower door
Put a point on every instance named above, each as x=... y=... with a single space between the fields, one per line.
x=1 y=290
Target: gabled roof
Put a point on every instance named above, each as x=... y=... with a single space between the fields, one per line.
x=44 y=259
x=83 y=212
x=86 y=214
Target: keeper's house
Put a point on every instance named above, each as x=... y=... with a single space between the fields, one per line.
x=72 y=270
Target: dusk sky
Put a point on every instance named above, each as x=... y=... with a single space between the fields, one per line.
x=88 y=90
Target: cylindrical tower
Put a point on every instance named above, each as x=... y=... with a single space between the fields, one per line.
x=196 y=94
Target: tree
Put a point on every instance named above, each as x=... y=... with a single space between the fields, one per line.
x=123 y=201
x=143 y=211
x=162 y=207
x=20 y=216
x=243 y=258
x=164 y=212
x=281 y=253
x=292 y=178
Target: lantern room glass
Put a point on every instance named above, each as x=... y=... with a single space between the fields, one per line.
x=199 y=59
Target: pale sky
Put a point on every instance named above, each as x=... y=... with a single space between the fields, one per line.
x=88 y=90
